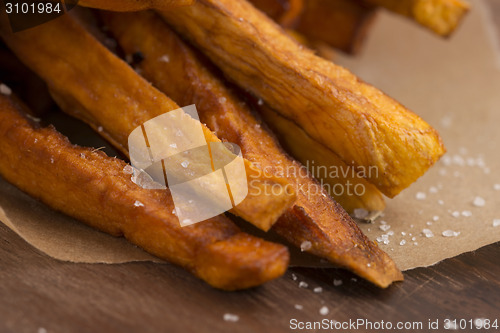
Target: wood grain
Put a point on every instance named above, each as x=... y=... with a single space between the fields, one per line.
x=39 y=292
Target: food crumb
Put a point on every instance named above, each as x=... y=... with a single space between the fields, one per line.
x=294 y=277
x=318 y=290
x=338 y=282
x=303 y=284
x=231 y=317
x=5 y=90
x=479 y=202
x=324 y=311
x=222 y=100
x=137 y=203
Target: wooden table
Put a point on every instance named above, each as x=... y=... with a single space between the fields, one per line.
x=39 y=294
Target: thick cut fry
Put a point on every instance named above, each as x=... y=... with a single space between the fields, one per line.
x=342 y=24
x=441 y=16
x=362 y=125
x=350 y=190
x=96 y=189
x=91 y=83
x=315 y=217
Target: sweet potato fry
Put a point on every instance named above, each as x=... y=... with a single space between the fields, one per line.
x=362 y=125
x=91 y=83
x=342 y=24
x=350 y=190
x=96 y=189
x=315 y=217
x=440 y=16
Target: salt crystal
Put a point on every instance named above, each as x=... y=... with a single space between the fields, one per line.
x=496 y=222
x=173 y=145
x=428 y=233
x=100 y=129
x=479 y=202
x=429 y=223
x=185 y=164
x=128 y=169
x=415 y=243
x=318 y=290
x=496 y=187
x=433 y=189
x=420 y=196
x=324 y=311
x=187 y=221
x=137 y=203
x=354 y=280
x=435 y=218
x=174 y=212
x=306 y=245
x=51 y=160
x=368 y=265
x=403 y=233
x=4 y=90
x=360 y=213
x=294 y=277
x=455 y=214
x=82 y=155
x=303 y=284
x=231 y=317
x=451 y=233
x=390 y=233
x=385 y=227
x=42 y=330
x=383 y=222
x=222 y=100
x=298 y=307
x=260 y=102
x=467 y=213
x=164 y=58
x=403 y=242
x=441 y=202
x=414 y=238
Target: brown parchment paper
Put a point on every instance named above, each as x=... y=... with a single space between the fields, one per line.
x=454 y=84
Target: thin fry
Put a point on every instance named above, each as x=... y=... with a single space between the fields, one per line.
x=315 y=217
x=91 y=83
x=363 y=126
x=440 y=16
x=96 y=189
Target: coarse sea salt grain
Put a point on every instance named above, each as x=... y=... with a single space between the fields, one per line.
x=451 y=233
x=403 y=242
x=323 y=311
x=306 y=245
x=185 y=164
x=5 y=90
x=299 y=307
x=385 y=227
x=303 y=284
x=318 y=290
x=467 y=213
x=433 y=189
x=455 y=214
x=231 y=317
x=496 y=222
x=137 y=203
x=294 y=277
x=428 y=233
x=360 y=213
x=337 y=282
x=478 y=202
x=435 y=218
x=420 y=196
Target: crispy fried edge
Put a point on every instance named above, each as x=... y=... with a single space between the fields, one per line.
x=315 y=217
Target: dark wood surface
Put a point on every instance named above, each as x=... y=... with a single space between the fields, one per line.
x=38 y=293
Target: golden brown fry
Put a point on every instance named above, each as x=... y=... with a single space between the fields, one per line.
x=362 y=125
x=350 y=190
x=315 y=217
x=441 y=16
x=342 y=24
x=96 y=189
x=94 y=85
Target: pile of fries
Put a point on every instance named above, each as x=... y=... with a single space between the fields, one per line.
x=247 y=67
